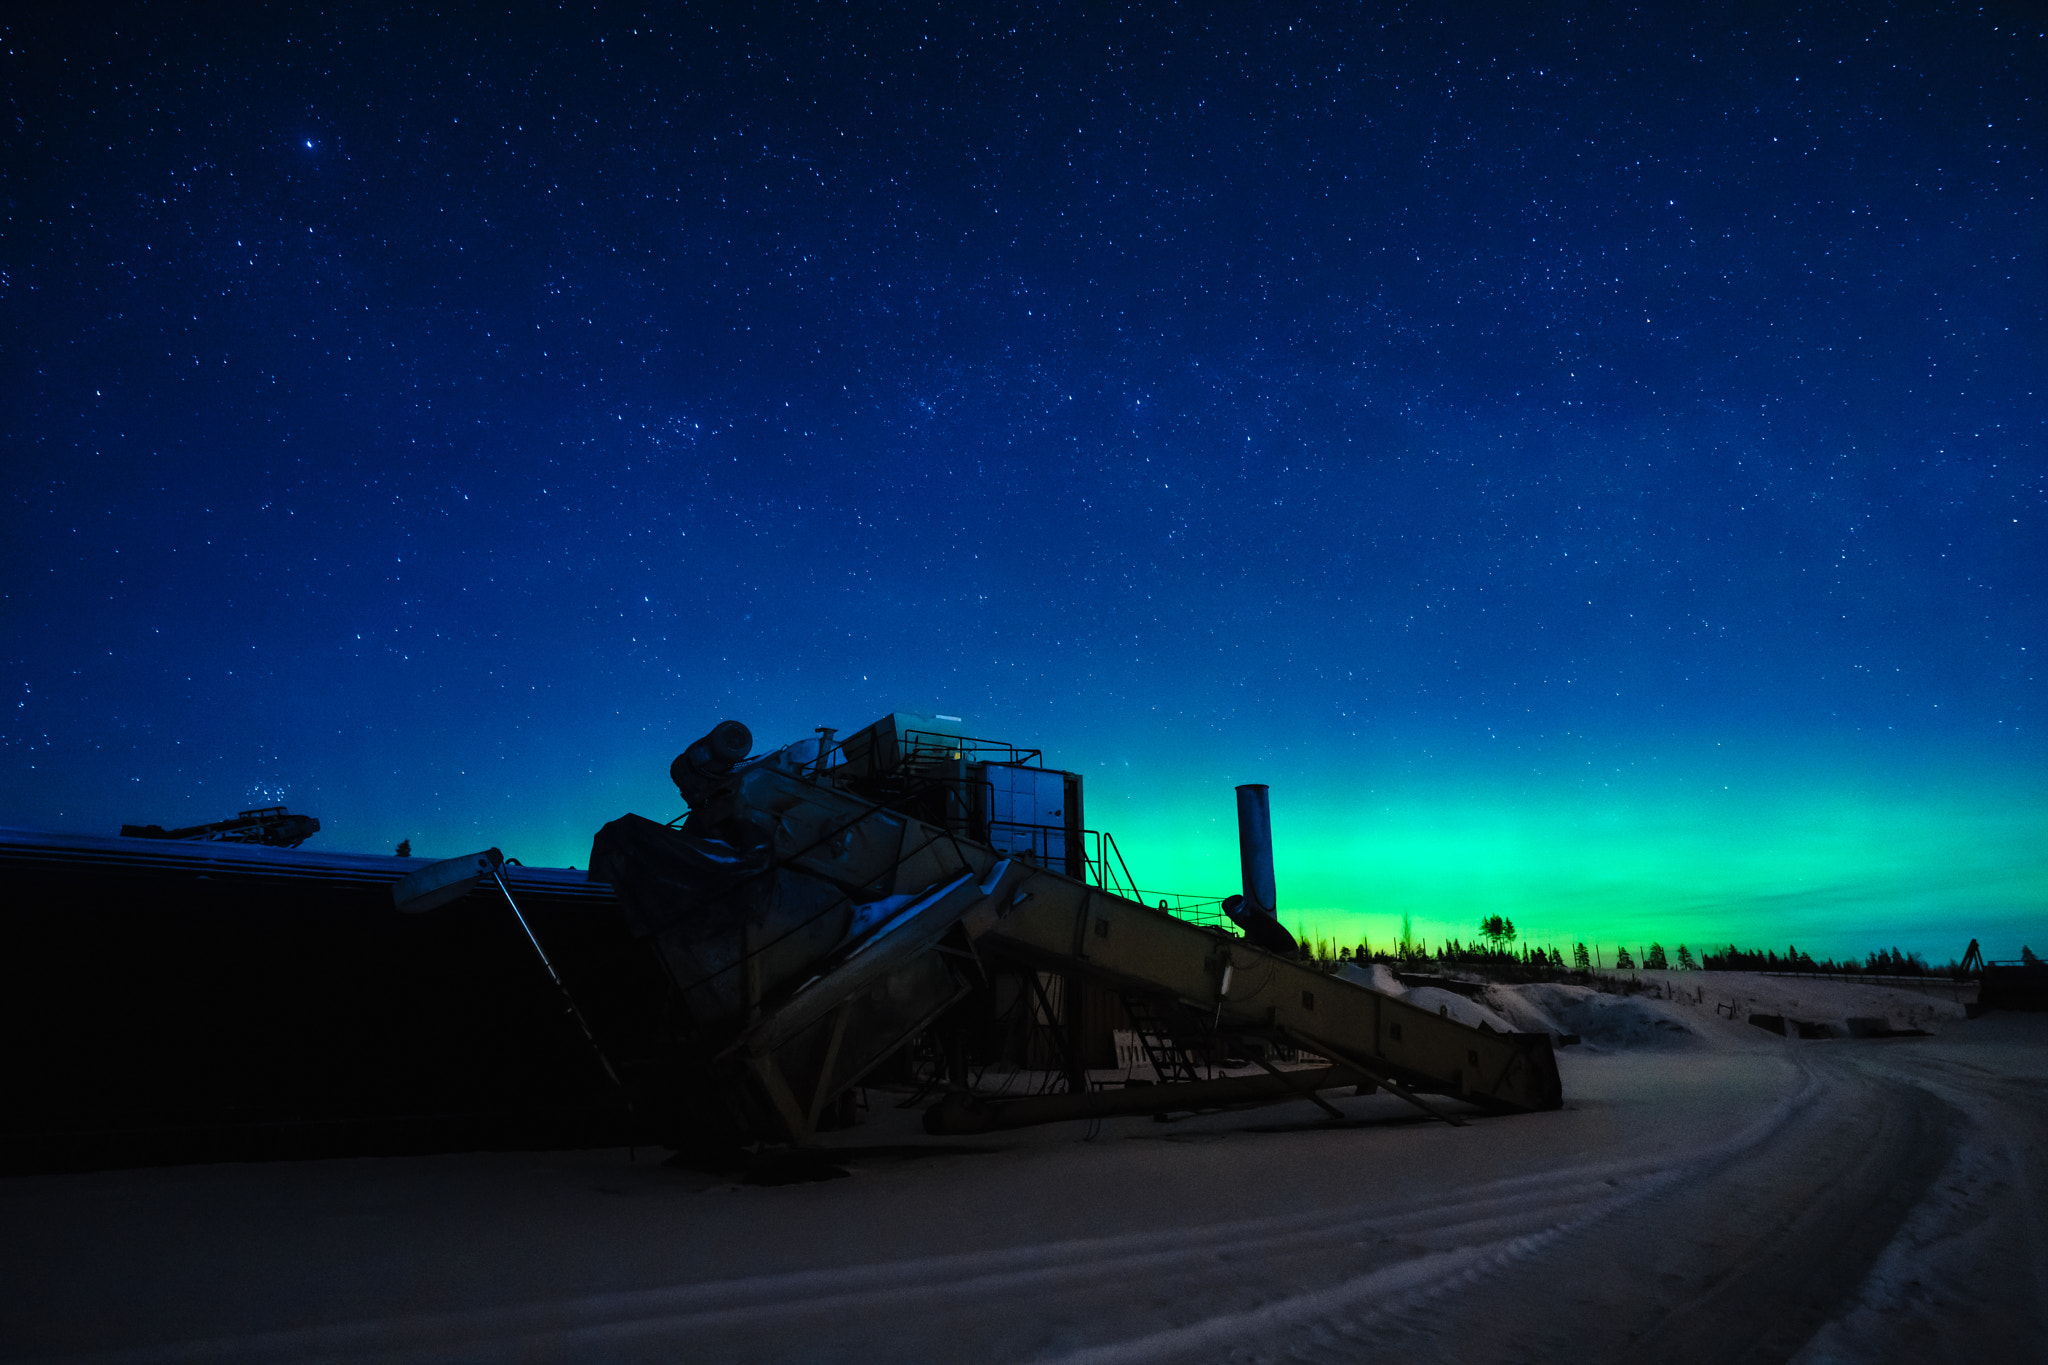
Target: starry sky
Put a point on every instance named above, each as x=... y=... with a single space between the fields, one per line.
x=1589 y=461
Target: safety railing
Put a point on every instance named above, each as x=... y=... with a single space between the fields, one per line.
x=1106 y=866
x=925 y=746
x=1048 y=845
x=1203 y=910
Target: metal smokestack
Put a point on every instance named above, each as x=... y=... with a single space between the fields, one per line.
x=1255 y=845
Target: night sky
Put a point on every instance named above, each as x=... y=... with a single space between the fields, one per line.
x=1589 y=462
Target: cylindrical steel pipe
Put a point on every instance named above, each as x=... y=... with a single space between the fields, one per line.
x=1255 y=844
x=700 y=769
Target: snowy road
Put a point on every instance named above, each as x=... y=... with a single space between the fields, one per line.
x=1856 y=1201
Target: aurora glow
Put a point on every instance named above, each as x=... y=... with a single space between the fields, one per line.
x=1592 y=467
x=1832 y=870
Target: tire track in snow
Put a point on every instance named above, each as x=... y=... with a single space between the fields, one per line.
x=1333 y=1323
x=1966 y=1276
x=716 y=1314
x=1742 y=1261
x=974 y=1306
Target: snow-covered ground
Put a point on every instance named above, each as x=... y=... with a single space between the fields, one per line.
x=1710 y=1191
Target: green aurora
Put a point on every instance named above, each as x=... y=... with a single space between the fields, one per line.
x=1832 y=868
x=1840 y=853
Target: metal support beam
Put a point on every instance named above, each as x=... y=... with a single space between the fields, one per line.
x=1332 y=1110
x=956 y=1114
x=1387 y=1081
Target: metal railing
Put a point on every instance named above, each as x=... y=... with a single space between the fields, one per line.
x=924 y=746
x=1203 y=910
x=1048 y=846
x=1103 y=862
x=1106 y=868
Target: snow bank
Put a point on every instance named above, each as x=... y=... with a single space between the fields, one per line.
x=1379 y=978
x=1470 y=1013
x=1677 y=1010
x=1732 y=997
x=1713 y=1009
x=1600 y=1020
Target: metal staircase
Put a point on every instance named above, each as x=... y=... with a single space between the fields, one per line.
x=1171 y=1062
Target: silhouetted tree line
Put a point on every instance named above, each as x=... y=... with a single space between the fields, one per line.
x=1884 y=962
x=1454 y=951
x=1450 y=951
x=1496 y=947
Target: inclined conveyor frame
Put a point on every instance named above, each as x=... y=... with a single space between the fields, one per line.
x=813 y=933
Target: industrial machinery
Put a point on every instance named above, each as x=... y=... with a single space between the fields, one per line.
x=827 y=904
x=270 y=825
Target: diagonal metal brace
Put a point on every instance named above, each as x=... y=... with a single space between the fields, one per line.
x=1380 y=1073
x=1306 y=1092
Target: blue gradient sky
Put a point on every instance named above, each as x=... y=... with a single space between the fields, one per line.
x=1591 y=466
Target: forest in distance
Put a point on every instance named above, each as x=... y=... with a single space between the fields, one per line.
x=1495 y=946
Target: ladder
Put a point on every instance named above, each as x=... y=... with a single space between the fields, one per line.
x=1171 y=1062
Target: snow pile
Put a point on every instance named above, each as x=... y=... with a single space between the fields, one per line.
x=1379 y=978
x=1669 y=1010
x=1600 y=1020
x=1470 y=1013
x=1450 y=1004
x=1692 y=1009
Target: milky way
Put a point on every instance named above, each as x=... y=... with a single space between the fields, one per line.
x=1589 y=463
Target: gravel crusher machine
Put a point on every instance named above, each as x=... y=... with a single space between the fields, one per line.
x=826 y=905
